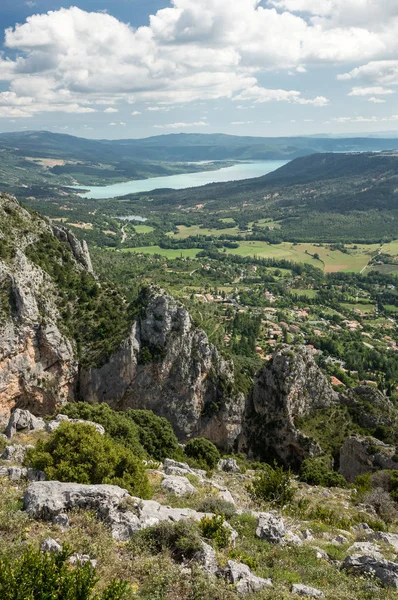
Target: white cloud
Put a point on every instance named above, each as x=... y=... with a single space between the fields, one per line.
x=194 y=50
x=242 y=122
x=376 y=100
x=382 y=73
x=135 y=113
x=111 y=110
x=369 y=91
x=259 y=95
x=181 y=125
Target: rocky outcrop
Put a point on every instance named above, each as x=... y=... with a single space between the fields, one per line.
x=369 y=407
x=79 y=249
x=243 y=579
x=23 y=420
x=306 y=592
x=38 y=369
x=384 y=570
x=365 y=455
x=289 y=387
x=169 y=366
x=123 y=513
x=271 y=528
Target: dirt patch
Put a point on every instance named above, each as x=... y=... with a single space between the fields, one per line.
x=334 y=268
x=81 y=225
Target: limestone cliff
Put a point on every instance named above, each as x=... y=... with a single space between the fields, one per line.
x=291 y=385
x=169 y=366
x=37 y=365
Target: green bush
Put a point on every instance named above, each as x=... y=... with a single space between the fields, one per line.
x=272 y=484
x=212 y=528
x=217 y=506
x=141 y=431
x=181 y=539
x=156 y=435
x=317 y=471
x=77 y=452
x=203 y=452
x=48 y=576
x=120 y=428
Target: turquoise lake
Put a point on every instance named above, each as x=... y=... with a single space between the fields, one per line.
x=237 y=172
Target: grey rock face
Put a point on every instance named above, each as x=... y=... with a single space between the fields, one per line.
x=270 y=528
x=179 y=486
x=229 y=465
x=385 y=570
x=291 y=386
x=188 y=382
x=365 y=455
x=372 y=407
x=23 y=419
x=306 y=591
x=244 y=580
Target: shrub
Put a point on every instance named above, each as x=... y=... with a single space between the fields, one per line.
x=37 y=575
x=212 y=528
x=144 y=433
x=272 y=484
x=362 y=484
x=217 y=506
x=181 y=539
x=156 y=435
x=116 y=424
x=77 y=452
x=203 y=452
x=316 y=471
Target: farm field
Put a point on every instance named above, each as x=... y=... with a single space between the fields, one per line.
x=185 y=232
x=143 y=228
x=330 y=261
x=167 y=253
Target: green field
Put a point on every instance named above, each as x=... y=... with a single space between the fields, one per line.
x=330 y=261
x=143 y=228
x=190 y=252
x=185 y=232
x=365 y=308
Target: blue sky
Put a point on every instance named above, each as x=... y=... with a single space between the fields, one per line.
x=135 y=68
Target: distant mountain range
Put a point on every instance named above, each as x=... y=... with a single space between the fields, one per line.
x=183 y=147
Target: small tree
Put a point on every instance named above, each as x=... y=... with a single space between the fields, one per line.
x=203 y=452
x=77 y=452
x=272 y=484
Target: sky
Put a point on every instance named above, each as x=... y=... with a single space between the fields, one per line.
x=138 y=68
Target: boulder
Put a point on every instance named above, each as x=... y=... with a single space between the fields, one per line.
x=62 y=521
x=23 y=419
x=172 y=467
x=179 y=486
x=50 y=545
x=270 y=528
x=229 y=465
x=15 y=453
x=123 y=513
x=339 y=539
x=384 y=570
x=366 y=549
x=308 y=592
x=382 y=536
x=244 y=580
x=17 y=473
x=207 y=559
x=82 y=559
